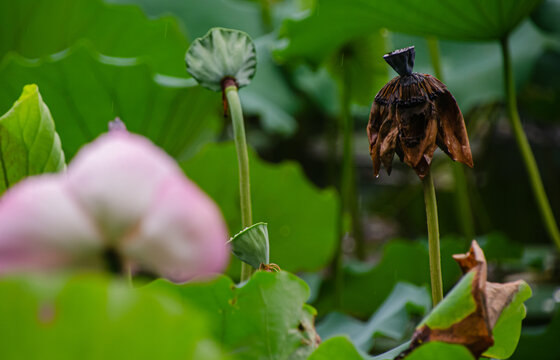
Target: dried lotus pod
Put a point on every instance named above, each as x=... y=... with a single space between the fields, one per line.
x=412 y=115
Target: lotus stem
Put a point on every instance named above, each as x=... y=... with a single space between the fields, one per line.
x=236 y=114
x=350 y=208
x=525 y=148
x=463 y=206
x=129 y=276
x=433 y=238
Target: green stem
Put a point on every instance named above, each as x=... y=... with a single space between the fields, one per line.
x=236 y=114
x=350 y=208
x=462 y=201
x=433 y=238
x=435 y=57
x=463 y=205
x=129 y=277
x=266 y=15
x=525 y=148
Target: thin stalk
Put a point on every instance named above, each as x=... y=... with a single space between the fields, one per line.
x=525 y=148
x=266 y=15
x=129 y=277
x=349 y=191
x=345 y=124
x=348 y=208
x=435 y=57
x=463 y=205
x=338 y=262
x=433 y=238
x=236 y=114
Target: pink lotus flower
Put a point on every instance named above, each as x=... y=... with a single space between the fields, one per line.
x=121 y=198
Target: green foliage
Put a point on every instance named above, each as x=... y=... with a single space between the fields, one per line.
x=352 y=65
x=391 y=320
x=456 y=306
x=266 y=318
x=336 y=348
x=498 y=247
x=198 y=16
x=219 y=54
x=29 y=144
x=457 y=20
x=277 y=108
x=473 y=71
x=546 y=16
x=542 y=340
x=93 y=317
x=508 y=328
x=301 y=219
x=250 y=245
x=342 y=348
x=94 y=61
x=440 y=351
x=365 y=289
x=52 y=26
x=85 y=90
x=459 y=303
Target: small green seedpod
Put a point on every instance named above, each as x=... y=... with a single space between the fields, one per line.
x=250 y=245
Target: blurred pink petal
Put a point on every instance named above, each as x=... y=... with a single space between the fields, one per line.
x=182 y=235
x=42 y=226
x=115 y=177
x=121 y=193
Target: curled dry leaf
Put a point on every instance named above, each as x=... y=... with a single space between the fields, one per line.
x=469 y=313
x=412 y=115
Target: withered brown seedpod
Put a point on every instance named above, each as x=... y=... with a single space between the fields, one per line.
x=412 y=115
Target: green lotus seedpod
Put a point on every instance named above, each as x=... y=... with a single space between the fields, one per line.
x=250 y=245
x=222 y=54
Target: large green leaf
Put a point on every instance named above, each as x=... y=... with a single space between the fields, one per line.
x=198 y=16
x=336 y=348
x=546 y=16
x=354 y=66
x=342 y=348
x=93 y=317
x=456 y=305
x=266 y=318
x=366 y=288
x=486 y=317
x=269 y=95
x=29 y=144
x=440 y=351
x=472 y=71
x=85 y=90
x=301 y=219
x=541 y=340
x=36 y=28
x=335 y=22
x=391 y=320
x=508 y=328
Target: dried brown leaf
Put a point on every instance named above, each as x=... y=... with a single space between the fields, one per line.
x=473 y=331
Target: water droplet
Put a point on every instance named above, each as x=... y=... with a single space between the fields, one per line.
x=548 y=305
x=557 y=295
